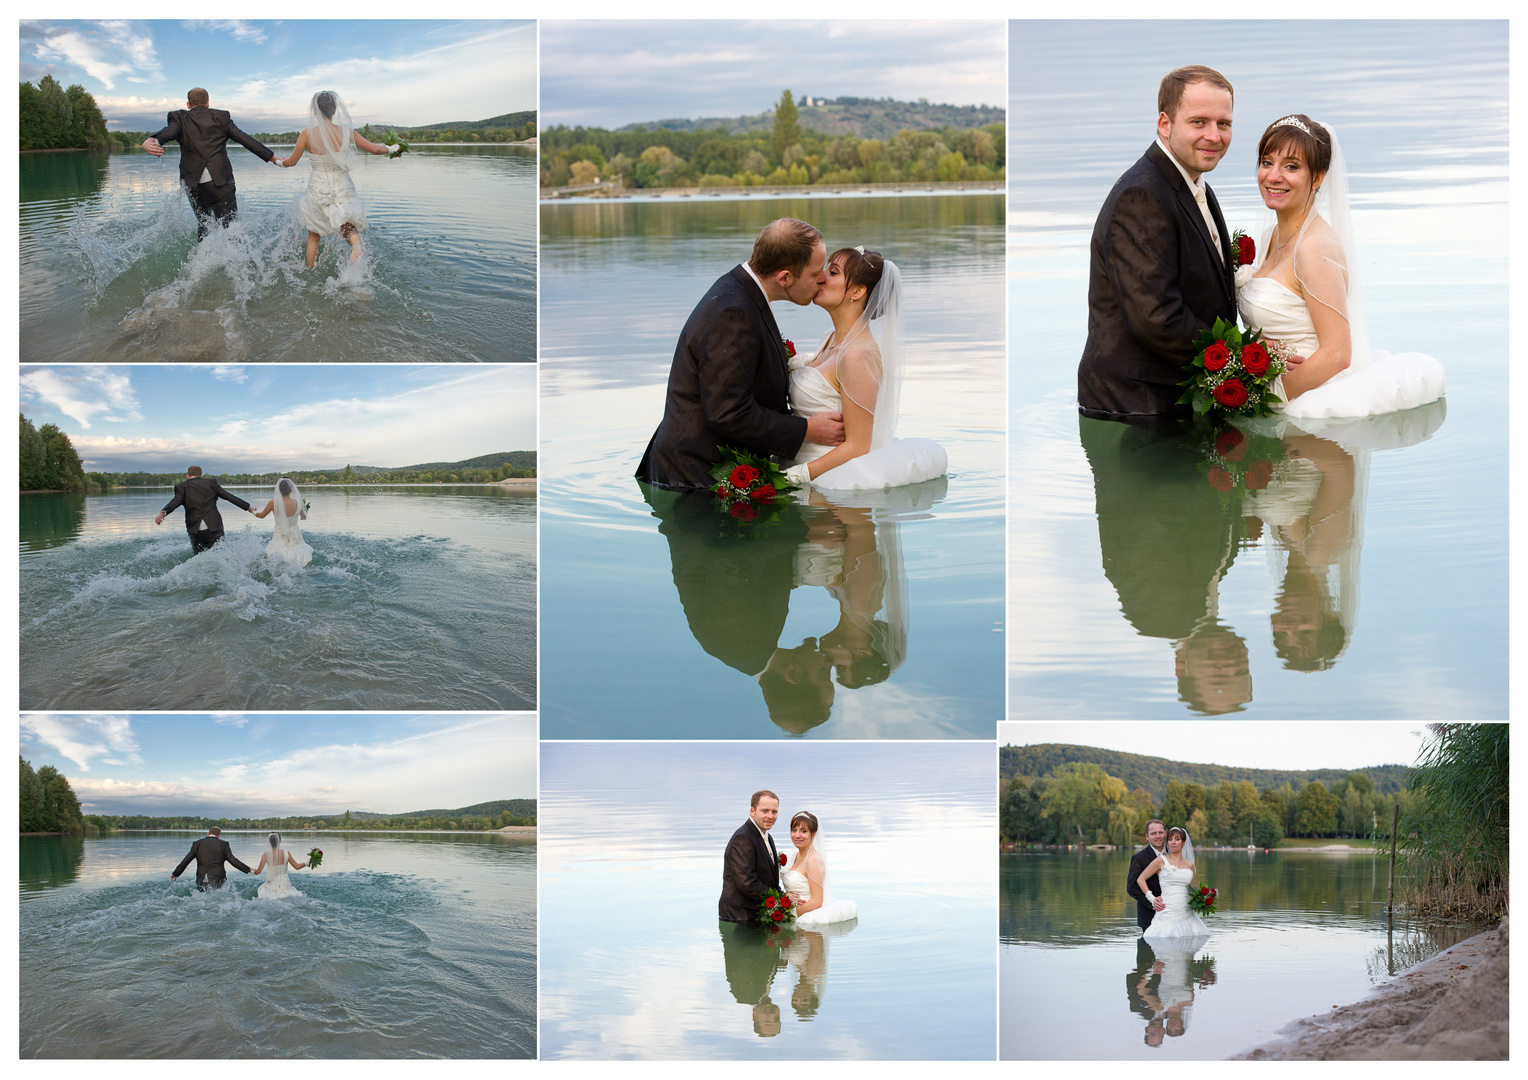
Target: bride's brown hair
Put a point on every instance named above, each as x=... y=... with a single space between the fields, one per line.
x=808 y=817
x=860 y=267
x=1310 y=142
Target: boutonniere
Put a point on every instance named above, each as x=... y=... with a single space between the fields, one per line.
x=782 y=860
x=790 y=347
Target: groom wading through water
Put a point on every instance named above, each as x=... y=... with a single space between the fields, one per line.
x=199 y=495
x=729 y=383
x=203 y=133
x=1146 y=906
x=1159 y=272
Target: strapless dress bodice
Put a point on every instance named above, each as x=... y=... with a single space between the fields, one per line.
x=1269 y=306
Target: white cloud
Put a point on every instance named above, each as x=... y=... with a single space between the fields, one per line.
x=82 y=738
x=232 y=719
x=239 y=28
x=230 y=373
x=107 y=51
x=83 y=393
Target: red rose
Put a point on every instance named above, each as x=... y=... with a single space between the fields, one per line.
x=782 y=860
x=1216 y=356
x=1258 y=475
x=722 y=491
x=765 y=494
x=778 y=916
x=785 y=901
x=1254 y=358
x=1232 y=394
x=742 y=476
x=743 y=511
x=1220 y=479
x=1231 y=444
x=790 y=348
x=769 y=901
x=1246 y=251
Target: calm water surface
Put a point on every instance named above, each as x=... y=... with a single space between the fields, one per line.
x=634 y=964
x=415 y=598
x=411 y=946
x=111 y=271
x=618 y=282
x=1140 y=590
x=1295 y=934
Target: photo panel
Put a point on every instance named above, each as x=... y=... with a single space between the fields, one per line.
x=1343 y=555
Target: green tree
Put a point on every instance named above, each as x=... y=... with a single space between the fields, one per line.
x=1315 y=810
x=60 y=808
x=1081 y=795
x=34 y=456
x=787 y=129
x=31 y=799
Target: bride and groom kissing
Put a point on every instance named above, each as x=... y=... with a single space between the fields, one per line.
x=1163 y=270
x=828 y=419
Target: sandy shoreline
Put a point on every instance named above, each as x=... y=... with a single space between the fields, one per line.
x=1452 y=1007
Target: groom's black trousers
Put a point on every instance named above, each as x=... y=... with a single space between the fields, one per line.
x=211 y=202
x=203 y=539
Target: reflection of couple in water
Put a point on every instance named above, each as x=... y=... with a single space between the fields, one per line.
x=736 y=591
x=1161 y=990
x=1176 y=506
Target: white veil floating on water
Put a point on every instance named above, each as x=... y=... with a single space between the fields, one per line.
x=330 y=130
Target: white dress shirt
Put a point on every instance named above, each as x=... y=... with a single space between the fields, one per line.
x=1198 y=189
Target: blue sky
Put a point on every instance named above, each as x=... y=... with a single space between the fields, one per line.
x=276 y=416
x=266 y=765
x=606 y=73
x=1243 y=743
x=265 y=71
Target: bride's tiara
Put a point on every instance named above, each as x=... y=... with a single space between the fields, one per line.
x=1293 y=121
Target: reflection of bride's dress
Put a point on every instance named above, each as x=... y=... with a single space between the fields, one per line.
x=287 y=542
x=331 y=200
x=277 y=885
x=899 y=462
x=1175 y=926
x=832 y=911
x=1381 y=382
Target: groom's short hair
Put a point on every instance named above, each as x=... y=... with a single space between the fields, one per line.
x=1170 y=93
x=784 y=244
x=753 y=803
x=195 y=470
x=214 y=830
x=1156 y=821
x=196 y=96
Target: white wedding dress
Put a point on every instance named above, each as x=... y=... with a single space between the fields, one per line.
x=1381 y=382
x=832 y=911
x=331 y=201
x=287 y=542
x=1175 y=926
x=897 y=464
x=277 y=885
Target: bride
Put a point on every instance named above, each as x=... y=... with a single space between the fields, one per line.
x=1304 y=290
x=806 y=878
x=858 y=371
x=287 y=505
x=277 y=886
x=331 y=205
x=1175 y=925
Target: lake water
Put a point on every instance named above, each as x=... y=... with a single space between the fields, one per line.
x=111 y=270
x=406 y=946
x=1295 y=933
x=635 y=965
x=1138 y=590
x=618 y=282
x=416 y=598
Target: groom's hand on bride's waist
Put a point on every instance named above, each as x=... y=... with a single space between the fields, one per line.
x=825 y=429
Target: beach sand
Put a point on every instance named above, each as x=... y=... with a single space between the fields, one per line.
x=1452 y=1007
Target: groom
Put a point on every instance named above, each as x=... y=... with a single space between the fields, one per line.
x=1160 y=271
x=205 y=170
x=1147 y=904
x=729 y=383
x=210 y=853
x=751 y=866
x=199 y=495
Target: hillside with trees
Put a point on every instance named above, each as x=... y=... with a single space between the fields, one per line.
x=55 y=118
x=479 y=817
x=505 y=128
x=872 y=142
x=483 y=469
x=48 y=460
x=867 y=118
x=48 y=803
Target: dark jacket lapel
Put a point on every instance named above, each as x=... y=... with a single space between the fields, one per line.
x=772 y=328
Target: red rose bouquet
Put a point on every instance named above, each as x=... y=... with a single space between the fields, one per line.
x=1233 y=375
x=1202 y=900
x=775 y=909
x=315 y=857
x=749 y=484
x=1235 y=462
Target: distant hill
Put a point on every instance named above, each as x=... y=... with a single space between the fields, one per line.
x=520 y=459
x=514 y=119
x=867 y=118
x=1153 y=773
x=492 y=808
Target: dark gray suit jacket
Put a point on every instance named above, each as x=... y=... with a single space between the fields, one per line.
x=1144 y=912
x=728 y=385
x=203 y=134
x=748 y=872
x=200 y=495
x=210 y=853
x=1155 y=281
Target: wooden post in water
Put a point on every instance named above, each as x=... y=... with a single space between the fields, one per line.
x=1395 y=822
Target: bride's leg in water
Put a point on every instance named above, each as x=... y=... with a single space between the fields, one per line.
x=351 y=233
x=312 y=256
